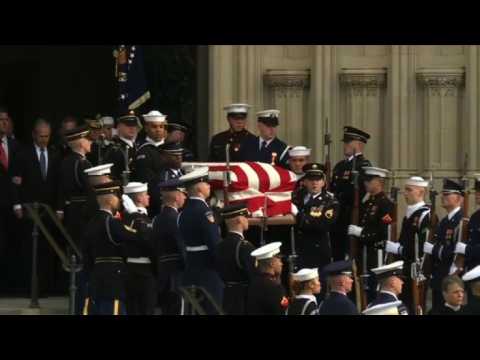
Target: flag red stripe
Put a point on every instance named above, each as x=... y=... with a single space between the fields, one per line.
x=263 y=176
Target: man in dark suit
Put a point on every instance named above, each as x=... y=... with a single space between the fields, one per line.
x=266 y=148
x=8 y=151
x=36 y=177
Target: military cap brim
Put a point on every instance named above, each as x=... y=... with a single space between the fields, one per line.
x=350 y=134
x=232 y=211
x=112 y=187
x=77 y=133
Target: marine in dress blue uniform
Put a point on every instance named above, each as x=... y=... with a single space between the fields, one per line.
x=390 y=279
x=444 y=240
x=337 y=302
x=260 y=149
x=201 y=236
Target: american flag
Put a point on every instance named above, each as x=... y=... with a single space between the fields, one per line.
x=250 y=183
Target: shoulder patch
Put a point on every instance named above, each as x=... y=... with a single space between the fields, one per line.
x=329 y=214
x=387 y=219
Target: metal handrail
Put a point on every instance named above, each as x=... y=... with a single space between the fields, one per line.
x=188 y=293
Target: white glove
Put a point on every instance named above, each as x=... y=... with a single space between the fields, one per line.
x=392 y=247
x=460 y=248
x=355 y=230
x=427 y=247
x=129 y=205
x=294 y=210
x=453 y=269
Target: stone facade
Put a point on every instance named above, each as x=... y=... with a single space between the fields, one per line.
x=420 y=103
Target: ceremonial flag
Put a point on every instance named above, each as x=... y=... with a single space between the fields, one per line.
x=251 y=182
x=130 y=74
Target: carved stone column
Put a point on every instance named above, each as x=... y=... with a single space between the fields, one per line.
x=288 y=92
x=442 y=115
x=362 y=106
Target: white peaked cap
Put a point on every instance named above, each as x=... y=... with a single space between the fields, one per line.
x=268 y=251
x=472 y=274
x=155 y=116
x=305 y=274
x=375 y=171
x=384 y=309
x=237 y=108
x=417 y=181
x=107 y=120
x=299 y=151
x=268 y=113
x=135 y=187
x=98 y=170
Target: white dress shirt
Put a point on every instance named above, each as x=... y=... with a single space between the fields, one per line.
x=38 y=150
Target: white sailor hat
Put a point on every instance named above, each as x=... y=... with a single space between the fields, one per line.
x=390 y=308
x=107 y=120
x=135 y=187
x=299 y=151
x=237 y=109
x=267 y=252
x=198 y=175
x=155 y=116
x=305 y=274
x=417 y=181
x=371 y=171
x=99 y=170
x=473 y=274
x=393 y=269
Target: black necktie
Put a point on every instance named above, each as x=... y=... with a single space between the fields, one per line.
x=263 y=145
x=43 y=163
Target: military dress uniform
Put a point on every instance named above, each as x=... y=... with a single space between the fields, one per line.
x=141 y=281
x=472 y=248
x=338 y=303
x=169 y=247
x=341 y=186
x=201 y=235
x=444 y=240
x=188 y=155
x=234 y=264
x=265 y=294
x=473 y=303
x=234 y=138
x=105 y=237
x=304 y=304
x=273 y=151
x=385 y=296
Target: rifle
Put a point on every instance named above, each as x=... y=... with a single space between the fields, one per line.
x=126 y=172
x=292 y=258
x=328 y=166
x=226 y=175
x=459 y=259
x=360 y=287
x=418 y=281
x=427 y=259
x=392 y=228
x=264 y=222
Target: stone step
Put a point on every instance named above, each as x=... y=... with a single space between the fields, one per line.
x=21 y=306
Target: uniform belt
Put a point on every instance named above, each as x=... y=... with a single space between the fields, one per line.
x=113 y=259
x=78 y=199
x=139 y=260
x=169 y=257
x=197 y=248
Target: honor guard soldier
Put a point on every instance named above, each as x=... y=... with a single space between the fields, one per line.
x=471 y=249
x=125 y=147
x=376 y=212
x=354 y=141
x=141 y=282
x=472 y=277
x=389 y=277
x=317 y=212
x=235 y=135
x=149 y=161
x=445 y=237
x=305 y=286
x=96 y=136
x=298 y=157
x=266 y=148
x=172 y=166
x=339 y=277
x=415 y=225
x=169 y=247
x=266 y=295
x=108 y=124
x=234 y=263
x=106 y=236
x=201 y=236
x=177 y=133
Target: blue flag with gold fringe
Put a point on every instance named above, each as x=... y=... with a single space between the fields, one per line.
x=130 y=74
